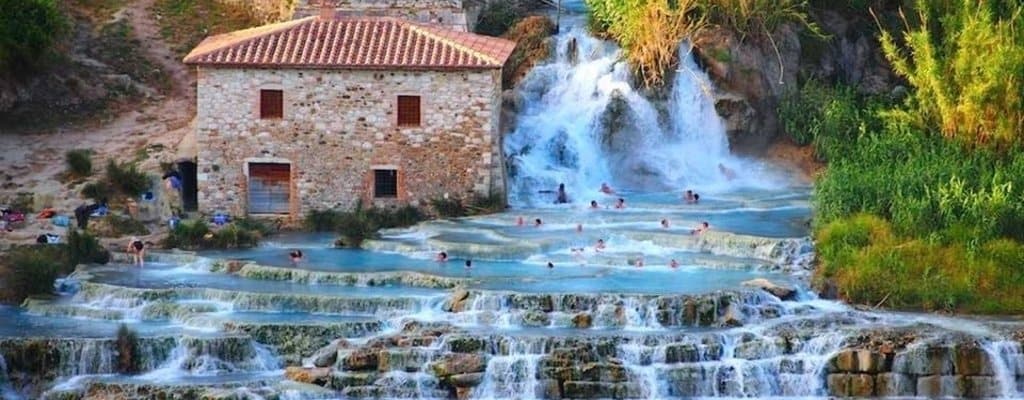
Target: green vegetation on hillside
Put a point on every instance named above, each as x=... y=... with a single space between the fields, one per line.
x=362 y=223
x=29 y=32
x=31 y=270
x=185 y=23
x=649 y=31
x=922 y=203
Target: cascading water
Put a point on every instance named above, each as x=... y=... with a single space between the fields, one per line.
x=581 y=122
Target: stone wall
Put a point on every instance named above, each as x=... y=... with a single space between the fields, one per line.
x=338 y=125
x=449 y=13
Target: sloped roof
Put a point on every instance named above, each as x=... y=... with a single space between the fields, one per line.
x=363 y=42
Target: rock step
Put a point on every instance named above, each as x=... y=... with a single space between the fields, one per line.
x=304 y=275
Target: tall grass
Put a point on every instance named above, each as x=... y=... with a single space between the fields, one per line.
x=649 y=31
x=965 y=60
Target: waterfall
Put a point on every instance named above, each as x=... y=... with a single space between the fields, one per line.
x=6 y=391
x=581 y=122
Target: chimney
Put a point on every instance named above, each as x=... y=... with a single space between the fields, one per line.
x=327 y=9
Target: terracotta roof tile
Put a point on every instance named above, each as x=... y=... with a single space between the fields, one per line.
x=364 y=42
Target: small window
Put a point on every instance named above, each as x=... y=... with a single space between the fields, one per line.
x=385 y=183
x=409 y=110
x=271 y=104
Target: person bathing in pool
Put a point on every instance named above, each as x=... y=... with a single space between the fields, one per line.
x=295 y=256
x=702 y=228
x=441 y=257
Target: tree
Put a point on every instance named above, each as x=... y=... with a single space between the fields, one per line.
x=29 y=30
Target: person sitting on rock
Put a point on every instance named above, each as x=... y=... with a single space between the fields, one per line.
x=296 y=256
x=441 y=257
x=703 y=227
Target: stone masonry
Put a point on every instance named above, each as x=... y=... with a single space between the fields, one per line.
x=339 y=125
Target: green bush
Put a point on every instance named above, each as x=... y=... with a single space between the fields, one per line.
x=29 y=32
x=129 y=359
x=124 y=226
x=98 y=190
x=197 y=235
x=497 y=16
x=127 y=179
x=79 y=163
x=361 y=223
x=448 y=208
x=31 y=270
x=83 y=248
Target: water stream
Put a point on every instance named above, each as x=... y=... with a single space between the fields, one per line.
x=596 y=324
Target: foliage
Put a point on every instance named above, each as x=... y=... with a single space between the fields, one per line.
x=965 y=58
x=120 y=226
x=532 y=46
x=453 y=208
x=649 y=31
x=197 y=235
x=31 y=270
x=361 y=223
x=498 y=16
x=78 y=162
x=127 y=179
x=84 y=248
x=128 y=355
x=98 y=190
x=869 y=264
x=187 y=22
x=831 y=118
x=29 y=32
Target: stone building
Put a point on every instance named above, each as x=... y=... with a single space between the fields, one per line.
x=326 y=111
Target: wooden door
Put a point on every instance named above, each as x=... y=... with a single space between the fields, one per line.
x=269 y=188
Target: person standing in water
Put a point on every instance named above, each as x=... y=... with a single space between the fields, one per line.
x=519 y=221
x=561 y=197
x=138 y=251
x=702 y=228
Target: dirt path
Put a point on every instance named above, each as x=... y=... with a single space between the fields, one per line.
x=31 y=163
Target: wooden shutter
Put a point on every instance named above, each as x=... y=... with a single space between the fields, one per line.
x=271 y=104
x=269 y=188
x=409 y=110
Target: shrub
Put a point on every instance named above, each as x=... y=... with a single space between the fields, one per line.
x=448 y=208
x=127 y=179
x=128 y=357
x=29 y=31
x=361 y=223
x=97 y=191
x=83 y=248
x=196 y=235
x=497 y=16
x=118 y=226
x=964 y=60
x=79 y=163
x=31 y=270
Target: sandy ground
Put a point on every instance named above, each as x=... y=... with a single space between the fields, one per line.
x=32 y=162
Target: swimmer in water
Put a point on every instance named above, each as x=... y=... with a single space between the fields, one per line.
x=520 y=221
x=673 y=264
x=441 y=257
x=537 y=223
x=296 y=256
x=550 y=265
x=639 y=262
x=579 y=228
x=621 y=203
x=469 y=264
x=606 y=189
x=600 y=245
x=593 y=204
x=703 y=227
x=664 y=223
